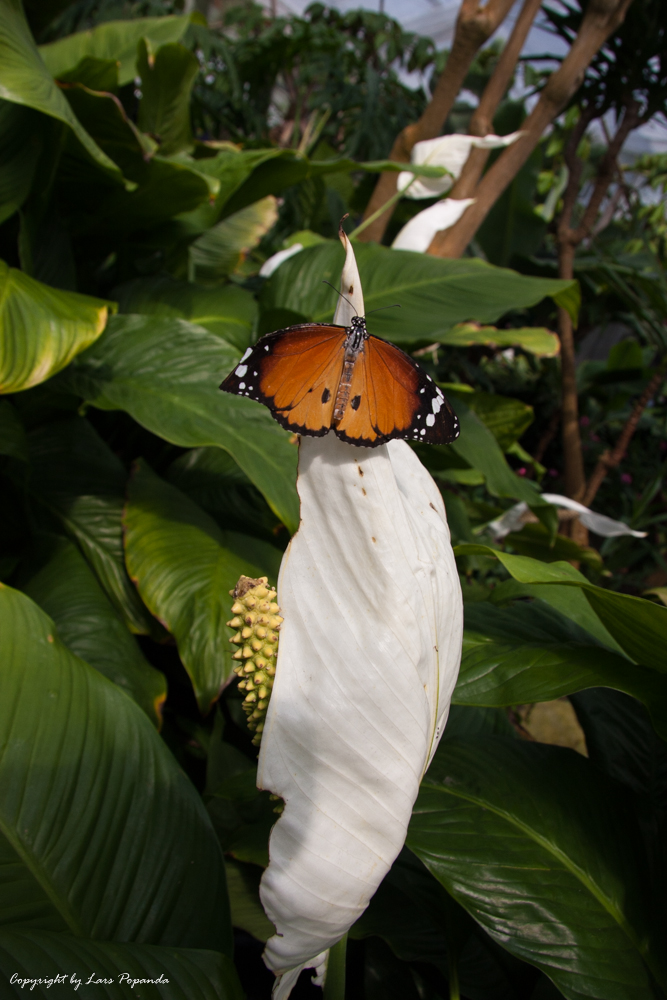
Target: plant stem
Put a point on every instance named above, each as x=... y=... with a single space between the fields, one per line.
x=334 y=984
x=383 y=208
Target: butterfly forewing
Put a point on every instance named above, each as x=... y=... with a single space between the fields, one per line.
x=295 y=372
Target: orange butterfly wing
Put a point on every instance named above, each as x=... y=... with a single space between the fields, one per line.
x=295 y=372
x=391 y=396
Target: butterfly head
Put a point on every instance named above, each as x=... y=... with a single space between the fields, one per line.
x=358 y=331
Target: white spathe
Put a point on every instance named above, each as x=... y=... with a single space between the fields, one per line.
x=420 y=230
x=274 y=262
x=449 y=151
x=368 y=659
x=514 y=519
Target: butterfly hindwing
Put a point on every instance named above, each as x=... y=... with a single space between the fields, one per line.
x=295 y=372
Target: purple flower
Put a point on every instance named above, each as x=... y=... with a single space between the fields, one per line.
x=626 y=478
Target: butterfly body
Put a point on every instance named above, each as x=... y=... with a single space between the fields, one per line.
x=318 y=377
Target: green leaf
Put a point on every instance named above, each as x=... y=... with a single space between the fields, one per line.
x=167 y=77
x=247 y=911
x=211 y=478
x=166 y=373
x=110 y=968
x=42 y=328
x=13 y=441
x=185 y=567
x=434 y=293
x=531 y=652
x=24 y=79
x=539 y=850
x=68 y=591
x=220 y=250
x=79 y=480
x=226 y=310
x=133 y=856
x=22 y=144
x=506 y=418
x=478 y=446
x=535 y=340
x=538 y=542
x=112 y=40
x=638 y=625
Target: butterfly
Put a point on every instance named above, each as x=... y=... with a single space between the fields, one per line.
x=317 y=377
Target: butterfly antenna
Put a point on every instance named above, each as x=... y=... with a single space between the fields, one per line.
x=325 y=282
x=396 y=305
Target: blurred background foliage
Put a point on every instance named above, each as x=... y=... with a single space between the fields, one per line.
x=150 y=168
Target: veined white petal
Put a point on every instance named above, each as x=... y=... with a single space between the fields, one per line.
x=419 y=231
x=273 y=263
x=368 y=658
x=350 y=286
x=514 y=519
x=450 y=151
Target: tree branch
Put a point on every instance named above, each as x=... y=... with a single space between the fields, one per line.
x=610 y=459
x=601 y=19
x=474 y=25
x=481 y=122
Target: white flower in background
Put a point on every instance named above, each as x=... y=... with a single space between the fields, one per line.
x=515 y=518
x=273 y=263
x=368 y=658
x=420 y=230
x=449 y=151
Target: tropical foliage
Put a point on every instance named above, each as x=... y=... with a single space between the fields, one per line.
x=150 y=166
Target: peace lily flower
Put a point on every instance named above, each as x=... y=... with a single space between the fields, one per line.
x=420 y=230
x=518 y=515
x=449 y=151
x=367 y=661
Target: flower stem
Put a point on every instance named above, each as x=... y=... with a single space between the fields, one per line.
x=334 y=984
x=383 y=208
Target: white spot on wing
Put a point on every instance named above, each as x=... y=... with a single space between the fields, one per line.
x=247 y=354
x=241 y=370
x=430 y=419
x=436 y=404
x=241 y=385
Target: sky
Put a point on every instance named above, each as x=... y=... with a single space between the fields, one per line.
x=437 y=18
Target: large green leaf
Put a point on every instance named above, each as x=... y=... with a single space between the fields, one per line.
x=219 y=251
x=108 y=970
x=68 y=591
x=211 y=478
x=506 y=418
x=102 y=833
x=167 y=77
x=77 y=478
x=535 y=340
x=536 y=846
x=21 y=142
x=42 y=328
x=638 y=625
x=531 y=652
x=116 y=40
x=434 y=293
x=226 y=310
x=24 y=79
x=185 y=566
x=166 y=373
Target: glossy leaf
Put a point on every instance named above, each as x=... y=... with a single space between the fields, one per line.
x=42 y=328
x=22 y=144
x=535 y=340
x=538 y=542
x=68 y=591
x=638 y=625
x=167 y=76
x=166 y=373
x=110 y=968
x=185 y=567
x=220 y=250
x=24 y=79
x=77 y=478
x=541 y=852
x=506 y=418
x=531 y=652
x=434 y=293
x=116 y=40
x=133 y=856
x=226 y=310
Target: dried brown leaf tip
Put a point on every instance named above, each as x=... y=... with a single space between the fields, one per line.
x=257 y=622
